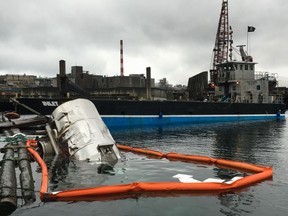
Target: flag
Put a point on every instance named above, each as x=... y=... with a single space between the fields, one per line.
x=251 y=29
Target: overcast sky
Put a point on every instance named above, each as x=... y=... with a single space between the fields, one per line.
x=173 y=37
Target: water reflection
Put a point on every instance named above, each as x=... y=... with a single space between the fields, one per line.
x=66 y=173
x=250 y=142
x=236 y=204
x=244 y=142
x=263 y=143
x=236 y=141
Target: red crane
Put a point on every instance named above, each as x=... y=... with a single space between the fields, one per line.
x=222 y=43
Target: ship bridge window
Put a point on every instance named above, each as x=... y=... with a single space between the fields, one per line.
x=229 y=67
x=227 y=75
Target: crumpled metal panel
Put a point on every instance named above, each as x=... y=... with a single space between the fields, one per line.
x=81 y=130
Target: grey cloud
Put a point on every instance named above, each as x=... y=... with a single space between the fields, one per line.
x=175 y=38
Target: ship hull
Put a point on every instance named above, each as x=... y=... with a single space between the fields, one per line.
x=139 y=113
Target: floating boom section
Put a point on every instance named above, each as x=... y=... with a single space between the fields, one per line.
x=111 y=192
x=81 y=133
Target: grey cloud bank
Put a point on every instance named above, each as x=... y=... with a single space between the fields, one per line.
x=174 y=37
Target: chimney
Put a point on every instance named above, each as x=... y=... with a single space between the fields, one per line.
x=62 y=68
x=148 y=83
x=121 y=59
x=63 y=89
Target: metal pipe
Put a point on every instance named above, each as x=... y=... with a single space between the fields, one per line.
x=8 y=183
x=26 y=177
x=26 y=107
x=52 y=140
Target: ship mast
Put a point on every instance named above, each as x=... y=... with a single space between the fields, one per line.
x=222 y=42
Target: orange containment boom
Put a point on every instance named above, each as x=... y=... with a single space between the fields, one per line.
x=136 y=189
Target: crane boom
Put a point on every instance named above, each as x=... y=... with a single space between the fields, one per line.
x=222 y=42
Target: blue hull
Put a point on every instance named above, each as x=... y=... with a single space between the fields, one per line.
x=138 y=121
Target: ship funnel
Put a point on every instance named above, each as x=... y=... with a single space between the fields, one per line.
x=81 y=133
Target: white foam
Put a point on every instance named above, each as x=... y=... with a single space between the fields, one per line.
x=188 y=180
x=182 y=176
x=233 y=179
x=214 y=180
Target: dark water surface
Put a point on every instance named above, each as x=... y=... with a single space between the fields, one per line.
x=262 y=143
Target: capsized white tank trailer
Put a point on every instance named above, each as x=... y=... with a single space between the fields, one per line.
x=78 y=131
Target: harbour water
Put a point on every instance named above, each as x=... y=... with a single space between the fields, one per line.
x=262 y=143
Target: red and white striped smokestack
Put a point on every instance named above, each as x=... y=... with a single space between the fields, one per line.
x=121 y=59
